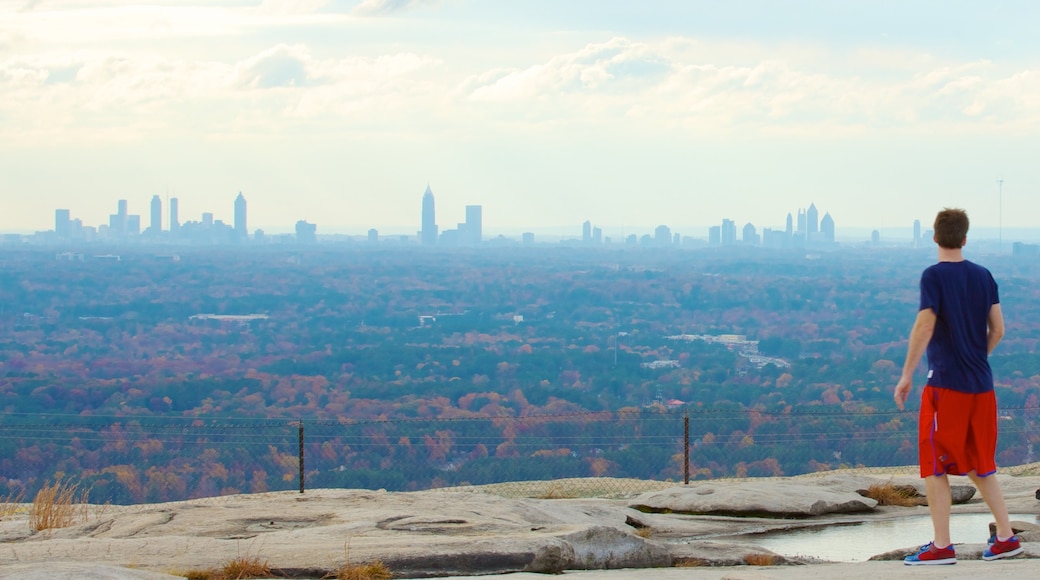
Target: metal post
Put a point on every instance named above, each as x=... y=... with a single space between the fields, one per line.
x=686 y=448
x=301 y=455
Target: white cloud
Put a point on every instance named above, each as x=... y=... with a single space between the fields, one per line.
x=385 y=7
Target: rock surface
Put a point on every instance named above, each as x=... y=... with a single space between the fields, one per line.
x=455 y=532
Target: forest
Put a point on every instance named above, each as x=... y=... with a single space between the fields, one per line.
x=158 y=377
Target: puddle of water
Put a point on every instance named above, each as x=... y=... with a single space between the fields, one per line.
x=858 y=542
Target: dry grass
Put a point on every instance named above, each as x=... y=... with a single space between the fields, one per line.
x=644 y=532
x=239 y=568
x=11 y=504
x=556 y=492
x=373 y=571
x=58 y=505
x=690 y=563
x=890 y=494
x=760 y=560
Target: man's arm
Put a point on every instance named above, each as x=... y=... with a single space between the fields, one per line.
x=920 y=335
x=995 y=327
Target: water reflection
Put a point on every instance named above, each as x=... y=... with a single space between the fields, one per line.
x=857 y=543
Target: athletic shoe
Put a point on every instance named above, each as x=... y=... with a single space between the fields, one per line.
x=928 y=554
x=1006 y=549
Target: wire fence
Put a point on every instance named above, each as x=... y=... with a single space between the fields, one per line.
x=127 y=461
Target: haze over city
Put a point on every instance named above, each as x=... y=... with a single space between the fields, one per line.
x=546 y=114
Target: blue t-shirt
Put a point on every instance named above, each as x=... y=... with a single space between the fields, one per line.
x=961 y=295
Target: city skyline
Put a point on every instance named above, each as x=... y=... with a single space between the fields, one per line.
x=544 y=113
x=809 y=229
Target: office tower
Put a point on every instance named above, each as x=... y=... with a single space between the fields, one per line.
x=586 y=231
x=207 y=219
x=306 y=233
x=117 y=222
x=133 y=225
x=662 y=235
x=428 y=234
x=714 y=236
x=801 y=221
x=729 y=232
x=175 y=220
x=474 y=226
x=373 y=236
x=827 y=227
x=241 y=230
x=597 y=236
x=62 y=224
x=875 y=237
x=812 y=220
x=790 y=225
x=156 y=224
x=527 y=238
x=749 y=235
x=917 y=233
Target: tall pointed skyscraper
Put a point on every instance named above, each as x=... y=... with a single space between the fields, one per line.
x=428 y=234
x=241 y=230
x=812 y=220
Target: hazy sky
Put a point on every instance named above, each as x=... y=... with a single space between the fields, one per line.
x=546 y=112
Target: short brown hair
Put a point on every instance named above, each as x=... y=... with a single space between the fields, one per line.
x=951 y=228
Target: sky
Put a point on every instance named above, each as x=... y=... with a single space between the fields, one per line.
x=547 y=113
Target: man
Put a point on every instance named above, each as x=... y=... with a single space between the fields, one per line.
x=959 y=323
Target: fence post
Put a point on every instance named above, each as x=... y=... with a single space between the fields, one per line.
x=301 y=456
x=686 y=447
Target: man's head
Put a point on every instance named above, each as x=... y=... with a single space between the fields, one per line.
x=951 y=228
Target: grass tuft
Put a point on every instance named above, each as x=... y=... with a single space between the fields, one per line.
x=890 y=494
x=760 y=559
x=58 y=505
x=11 y=504
x=373 y=571
x=240 y=568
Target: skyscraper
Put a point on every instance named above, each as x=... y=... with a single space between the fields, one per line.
x=801 y=221
x=586 y=231
x=62 y=223
x=827 y=227
x=812 y=220
x=474 y=224
x=790 y=224
x=241 y=230
x=156 y=224
x=917 y=233
x=428 y=234
x=729 y=232
x=175 y=221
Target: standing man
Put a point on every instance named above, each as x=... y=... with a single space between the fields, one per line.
x=959 y=323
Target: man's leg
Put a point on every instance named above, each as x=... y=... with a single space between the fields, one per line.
x=989 y=487
x=937 y=488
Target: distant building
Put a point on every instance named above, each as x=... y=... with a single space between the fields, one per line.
x=527 y=238
x=715 y=236
x=241 y=229
x=729 y=232
x=62 y=224
x=586 y=232
x=801 y=221
x=827 y=228
x=175 y=220
x=474 y=230
x=306 y=233
x=133 y=225
x=597 y=236
x=662 y=235
x=790 y=225
x=812 y=220
x=155 y=226
x=750 y=235
x=917 y=233
x=373 y=236
x=207 y=219
x=428 y=234
x=875 y=237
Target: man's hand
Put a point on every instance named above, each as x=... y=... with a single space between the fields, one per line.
x=903 y=388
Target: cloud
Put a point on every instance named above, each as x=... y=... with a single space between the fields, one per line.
x=281 y=66
x=385 y=7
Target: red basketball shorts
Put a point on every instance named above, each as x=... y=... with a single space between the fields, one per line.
x=957 y=432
